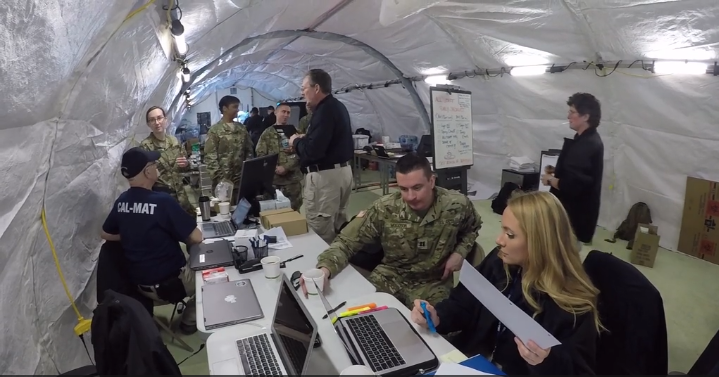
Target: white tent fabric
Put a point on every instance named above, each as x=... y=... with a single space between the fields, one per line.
x=78 y=75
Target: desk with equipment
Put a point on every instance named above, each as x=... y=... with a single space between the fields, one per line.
x=350 y=295
x=258 y=323
x=452 y=139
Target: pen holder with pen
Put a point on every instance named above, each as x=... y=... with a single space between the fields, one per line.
x=260 y=248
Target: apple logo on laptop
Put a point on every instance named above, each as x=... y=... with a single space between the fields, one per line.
x=231 y=299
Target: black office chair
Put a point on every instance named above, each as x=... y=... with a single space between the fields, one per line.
x=112 y=275
x=126 y=341
x=632 y=310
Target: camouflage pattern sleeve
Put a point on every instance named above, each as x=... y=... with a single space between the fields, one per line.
x=249 y=147
x=304 y=123
x=292 y=163
x=262 y=148
x=364 y=229
x=468 y=229
x=212 y=161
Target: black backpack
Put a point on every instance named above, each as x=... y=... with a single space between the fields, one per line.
x=500 y=202
x=638 y=214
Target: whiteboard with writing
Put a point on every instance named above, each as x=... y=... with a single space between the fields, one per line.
x=451 y=128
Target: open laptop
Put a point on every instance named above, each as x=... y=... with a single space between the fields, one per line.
x=384 y=341
x=230 y=303
x=215 y=254
x=227 y=228
x=284 y=349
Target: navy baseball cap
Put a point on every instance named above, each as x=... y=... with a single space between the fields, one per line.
x=135 y=160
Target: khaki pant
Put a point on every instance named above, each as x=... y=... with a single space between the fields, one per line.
x=188 y=281
x=326 y=196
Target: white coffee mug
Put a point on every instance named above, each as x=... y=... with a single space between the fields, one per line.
x=224 y=208
x=357 y=370
x=271 y=266
x=312 y=277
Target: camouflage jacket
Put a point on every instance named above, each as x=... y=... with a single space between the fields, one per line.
x=273 y=141
x=170 y=149
x=414 y=248
x=304 y=123
x=227 y=146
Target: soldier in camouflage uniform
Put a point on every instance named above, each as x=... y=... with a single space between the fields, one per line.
x=426 y=233
x=274 y=140
x=227 y=146
x=173 y=159
x=305 y=121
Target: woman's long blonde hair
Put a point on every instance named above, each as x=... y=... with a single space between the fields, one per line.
x=553 y=266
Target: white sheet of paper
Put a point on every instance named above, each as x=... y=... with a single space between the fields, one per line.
x=282 y=242
x=516 y=320
x=452 y=369
x=246 y=233
x=547 y=159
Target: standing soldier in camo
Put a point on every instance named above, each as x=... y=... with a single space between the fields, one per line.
x=305 y=120
x=228 y=145
x=275 y=140
x=173 y=159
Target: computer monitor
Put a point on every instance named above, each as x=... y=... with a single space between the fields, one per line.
x=257 y=176
x=424 y=148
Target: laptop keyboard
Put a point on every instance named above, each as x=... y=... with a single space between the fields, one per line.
x=257 y=356
x=223 y=228
x=375 y=344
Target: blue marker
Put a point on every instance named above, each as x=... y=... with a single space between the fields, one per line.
x=427 y=317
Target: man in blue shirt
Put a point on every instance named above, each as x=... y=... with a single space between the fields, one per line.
x=150 y=226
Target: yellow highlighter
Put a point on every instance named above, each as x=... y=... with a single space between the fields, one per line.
x=353 y=312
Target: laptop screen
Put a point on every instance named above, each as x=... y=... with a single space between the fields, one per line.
x=293 y=329
x=241 y=212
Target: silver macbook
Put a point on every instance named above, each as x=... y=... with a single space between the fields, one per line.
x=384 y=341
x=205 y=256
x=227 y=228
x=285 y=348
x=230 y=303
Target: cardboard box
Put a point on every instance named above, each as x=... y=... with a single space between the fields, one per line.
x=646 y=245
x=291 y=222
x=699 y=235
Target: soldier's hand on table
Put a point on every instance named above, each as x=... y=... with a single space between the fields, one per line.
x=417 y=314
x=181 y=162
x=280 y=170
x=454 y=263
x=325 y=286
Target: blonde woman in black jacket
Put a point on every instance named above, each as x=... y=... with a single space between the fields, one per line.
x=537 y=266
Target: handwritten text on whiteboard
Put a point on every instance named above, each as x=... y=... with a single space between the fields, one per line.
x=452 y=122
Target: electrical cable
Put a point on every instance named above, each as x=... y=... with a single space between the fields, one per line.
x=137 y=11
x=202 y=346
x=83 y=324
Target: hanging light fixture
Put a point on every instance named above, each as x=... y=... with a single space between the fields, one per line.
x=178 y=33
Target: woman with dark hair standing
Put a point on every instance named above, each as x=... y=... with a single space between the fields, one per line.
x=173 y=159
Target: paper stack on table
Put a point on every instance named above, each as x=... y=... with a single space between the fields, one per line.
x=282 y=242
